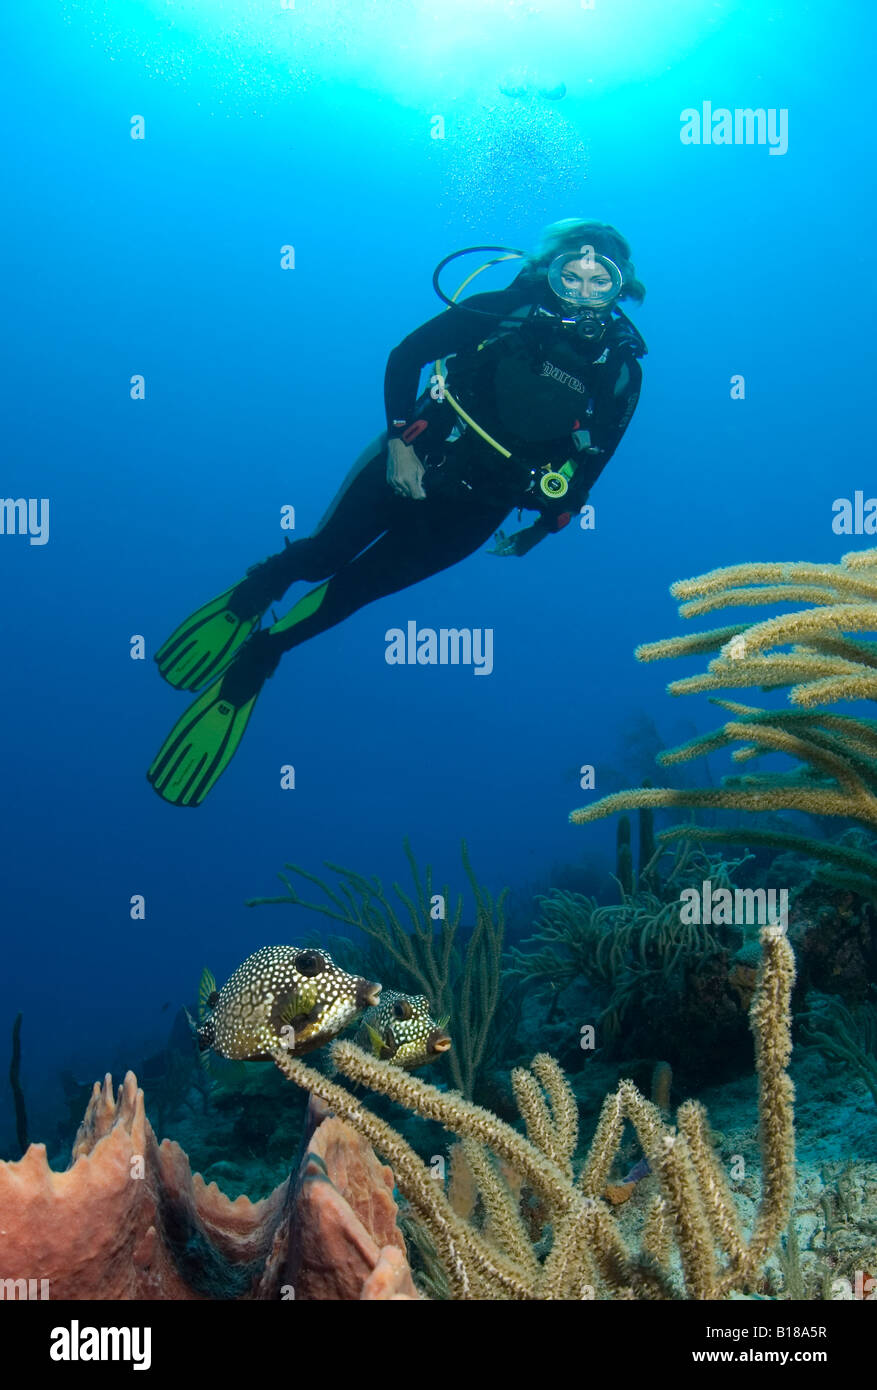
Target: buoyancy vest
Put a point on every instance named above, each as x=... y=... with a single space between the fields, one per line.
x=530 y=389
x=537 y=390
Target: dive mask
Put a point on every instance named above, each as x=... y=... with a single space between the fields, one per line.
x=584 y=281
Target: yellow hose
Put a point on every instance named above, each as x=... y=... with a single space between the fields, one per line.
x=439 y=366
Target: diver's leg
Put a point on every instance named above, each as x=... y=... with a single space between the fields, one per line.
x=436 y=535
x=363 y=507
x=203 y=742
x=207 y=642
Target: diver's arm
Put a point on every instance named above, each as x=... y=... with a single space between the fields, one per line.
x=453 y=330
x=613 y=418
x=590 y=462
x=594 y=451
x=520 y=542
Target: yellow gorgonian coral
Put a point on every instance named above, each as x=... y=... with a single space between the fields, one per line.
x=694 y=1212
x=821 y=656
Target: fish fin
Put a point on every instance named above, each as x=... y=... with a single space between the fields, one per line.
x=443 y=1021
x=299 y=1003
x=206 y=989
x=378 y=1045
x=200 y=1039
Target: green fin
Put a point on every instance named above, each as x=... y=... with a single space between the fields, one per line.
x=305 y=608
x=206 y=987
x=301 y=1001
x=206 y=643
x=443 y=1021
x=378 y=1045
x=200 y=747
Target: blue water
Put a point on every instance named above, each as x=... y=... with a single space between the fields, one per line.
x=312 y=127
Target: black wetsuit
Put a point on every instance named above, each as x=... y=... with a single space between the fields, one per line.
x=548 y=396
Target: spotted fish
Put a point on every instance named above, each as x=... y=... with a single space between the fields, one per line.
x=401 y=1030
x=282 y=996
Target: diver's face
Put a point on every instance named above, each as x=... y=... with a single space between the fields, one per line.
x=586 y=281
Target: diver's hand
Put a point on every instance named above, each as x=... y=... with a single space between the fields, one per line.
x=404 y=470
x=505 y=545
x=520 y=542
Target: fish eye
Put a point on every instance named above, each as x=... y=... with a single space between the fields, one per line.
x=402 y=1009
x=309 y=963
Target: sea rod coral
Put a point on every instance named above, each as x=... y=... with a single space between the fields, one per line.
x=694 y=1213
x=818 y=654
x=632 y=948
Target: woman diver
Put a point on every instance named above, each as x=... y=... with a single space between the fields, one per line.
x=543 y=381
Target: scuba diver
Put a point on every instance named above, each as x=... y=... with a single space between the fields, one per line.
x=543 y=379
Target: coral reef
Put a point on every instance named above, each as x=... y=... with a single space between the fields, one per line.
x=846 y=1036
x=835 y=936
x=129 y=1220
x=464 y=985
x=584 y=1254
x=663 y=983
x=818 y=654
